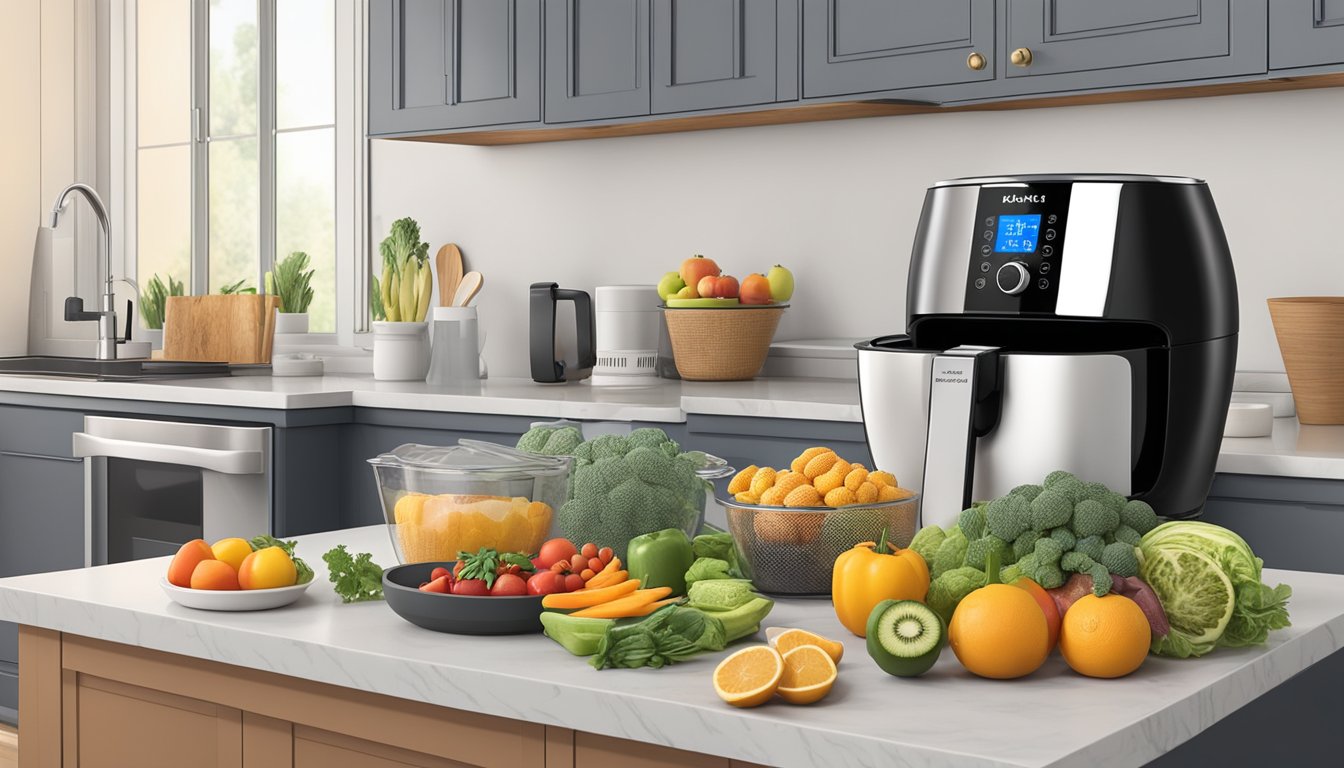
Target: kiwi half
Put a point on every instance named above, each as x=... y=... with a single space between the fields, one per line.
x=905 y=637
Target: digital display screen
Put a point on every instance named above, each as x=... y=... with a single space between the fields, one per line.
x=1018 y=234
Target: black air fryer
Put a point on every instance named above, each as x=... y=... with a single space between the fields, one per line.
x=1083 y=322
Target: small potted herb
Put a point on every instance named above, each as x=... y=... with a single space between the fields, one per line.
x=154 y=305
x=291 y=281
x=401 y=336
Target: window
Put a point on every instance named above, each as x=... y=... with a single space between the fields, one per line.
x=236 y=141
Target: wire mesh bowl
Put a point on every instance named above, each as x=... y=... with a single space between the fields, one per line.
x=790 y=550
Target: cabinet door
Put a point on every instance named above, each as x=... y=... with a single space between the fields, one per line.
x=1103 y=42
x=859 y=46
x=439 y=64
x=708 y=55
x=1305 y=33
x=597 y=59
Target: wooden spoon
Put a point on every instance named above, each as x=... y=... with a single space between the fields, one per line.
x=467 y=290
x=448 y=262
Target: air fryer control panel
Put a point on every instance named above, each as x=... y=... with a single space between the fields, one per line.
x=1017 y=252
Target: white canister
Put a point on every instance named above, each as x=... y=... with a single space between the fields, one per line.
x=456 y=352
x=400 y=351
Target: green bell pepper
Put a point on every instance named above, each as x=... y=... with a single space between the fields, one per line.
x=660 y=559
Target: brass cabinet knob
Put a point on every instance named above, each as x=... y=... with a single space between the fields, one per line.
x=976 y=61
x=1020 y=57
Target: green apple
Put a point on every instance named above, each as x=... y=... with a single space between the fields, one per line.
x=686 y=292
x=781 y=283
x=669 y=285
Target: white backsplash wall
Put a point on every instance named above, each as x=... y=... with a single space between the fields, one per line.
x=838 y=202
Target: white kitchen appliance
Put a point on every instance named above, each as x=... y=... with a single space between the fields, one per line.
x=627 y=335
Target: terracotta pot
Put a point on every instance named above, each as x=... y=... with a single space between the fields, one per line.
x=1310 y=330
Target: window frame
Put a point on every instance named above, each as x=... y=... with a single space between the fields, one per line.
x=351 y=205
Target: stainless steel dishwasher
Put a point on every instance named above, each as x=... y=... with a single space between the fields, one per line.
x=151 y=486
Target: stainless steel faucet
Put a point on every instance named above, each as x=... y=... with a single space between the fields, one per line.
x=74 y=306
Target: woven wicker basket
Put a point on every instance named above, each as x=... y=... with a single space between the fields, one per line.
x=727 y=344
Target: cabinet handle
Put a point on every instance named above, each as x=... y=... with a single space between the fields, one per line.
x=1020 y=57
x=976 y=61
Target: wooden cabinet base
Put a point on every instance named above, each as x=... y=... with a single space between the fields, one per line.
x=89 y=703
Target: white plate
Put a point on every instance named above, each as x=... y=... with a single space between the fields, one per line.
x=233 y=600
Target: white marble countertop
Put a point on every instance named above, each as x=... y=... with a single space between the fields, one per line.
x=946 y=718
x=1293 y=450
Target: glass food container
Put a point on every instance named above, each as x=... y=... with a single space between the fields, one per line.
x=439 y=501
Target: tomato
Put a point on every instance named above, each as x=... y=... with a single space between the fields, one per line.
x=267 y=568
x=589 y=550
x=577 y=563
x=186 y=560
x=545 y=583
x=560 y=566
x=554 y=551
x=605 y=554
x=1047 y=603
x=573 y=582
x=458 y=566
x=438 y=584
x=437 y=572
x=470 y=587
x=537 y=566
x=509 y=585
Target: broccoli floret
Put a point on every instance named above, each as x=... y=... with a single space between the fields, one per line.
x=977 y=552
x=1048 y=551
x=534 y=439
x=949 y=588
x=1069 y=489
x=1092 y=546
x=1028 y=491
x=648 y=437
x=1076 y=562
x=1127 y=535
x=608 y=446
x=562 y=442
x=1046 y=574
x=651 y=466
x=1101 y=580
x=670 y=449
x=927 y=541
x=1058 y=476
x=1090 y=518
x=1024 y=544
x=972 y=522
x=1007 y=517
x=581 y=520
x=1064 y=538
x=1119 y=559
x=1114 y=501
x=951 y=553
x=1139 y=516
x=584 y=453
x=1094 y=491
x=1050 y=510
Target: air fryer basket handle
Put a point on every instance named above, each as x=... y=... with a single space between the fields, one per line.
x=585 y=323
x=963 y=405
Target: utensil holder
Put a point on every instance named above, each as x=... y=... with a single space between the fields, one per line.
x=1310 y=330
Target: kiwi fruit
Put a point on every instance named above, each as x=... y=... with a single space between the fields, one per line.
x=905 y=637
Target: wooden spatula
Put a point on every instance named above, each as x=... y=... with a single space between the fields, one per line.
x=448 y=263
x=471 y=285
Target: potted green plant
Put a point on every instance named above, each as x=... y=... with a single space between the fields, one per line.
x=154 y=305
x=291 y=281
x=401 y=338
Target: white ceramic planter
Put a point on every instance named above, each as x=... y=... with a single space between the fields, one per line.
x=400 y=351
x=291 y=322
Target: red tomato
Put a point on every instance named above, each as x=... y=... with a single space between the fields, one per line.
x=457 y=568
x=554 y=551
x=1047 y=604
x=470 y=587
x=605 y=554
x=545 y=583
x=437 y=572
x=578 y=562
x=438 y=584
x=537 y=566
x=509 y=585
x=560 y=566
x=573 y=582
x=589 y=550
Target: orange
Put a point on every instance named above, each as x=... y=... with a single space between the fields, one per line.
x=785 y=640
x=267 y=568
x=999 y=631
x=232 y=551
x=214 y=574
x=185 y=561
x=749 y=677
x=1104 y=636
x=809 y=673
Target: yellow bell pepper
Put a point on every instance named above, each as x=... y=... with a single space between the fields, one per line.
x=868 y=574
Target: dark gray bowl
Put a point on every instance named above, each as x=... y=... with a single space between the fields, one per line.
x=458 y=614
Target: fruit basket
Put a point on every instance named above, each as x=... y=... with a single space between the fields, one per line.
x=722 y=344
x=790 y=550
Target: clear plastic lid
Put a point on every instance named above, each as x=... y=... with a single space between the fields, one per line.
x=473 y=457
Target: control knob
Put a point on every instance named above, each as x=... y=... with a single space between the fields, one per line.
x=1012 y=278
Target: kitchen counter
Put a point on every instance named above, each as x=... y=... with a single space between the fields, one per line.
x=947 y=718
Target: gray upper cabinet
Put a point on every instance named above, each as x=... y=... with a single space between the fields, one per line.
x=597 y=59
x=864 y=46
x=710 y=54
x=441 y=64
x=1305 y=33
x=1079 y=44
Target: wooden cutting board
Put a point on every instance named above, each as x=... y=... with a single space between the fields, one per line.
x=236 y=329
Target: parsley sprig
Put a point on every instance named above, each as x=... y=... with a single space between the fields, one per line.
x=355 y=578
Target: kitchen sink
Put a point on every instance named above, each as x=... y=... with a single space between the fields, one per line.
x=108 y=370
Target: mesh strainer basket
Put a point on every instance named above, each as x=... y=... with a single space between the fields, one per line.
x=790 y=550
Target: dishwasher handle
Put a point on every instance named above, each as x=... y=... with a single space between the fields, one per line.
x=228 y=462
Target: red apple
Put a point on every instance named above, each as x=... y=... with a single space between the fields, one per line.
x=708 y=287
x=697 y=267
x=755 y=289
x=727 y=287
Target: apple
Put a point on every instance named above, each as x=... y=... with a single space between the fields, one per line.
x=781 y=283
x=727 y=287
x=686 y=292
x=708 y=287
x=669 y=285
x=697 y=267
x=755 y=289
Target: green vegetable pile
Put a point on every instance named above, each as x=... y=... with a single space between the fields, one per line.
x=623 y=486
x=1209 y=583
x=715 y=558
x=356 y=578
x=1041 y=532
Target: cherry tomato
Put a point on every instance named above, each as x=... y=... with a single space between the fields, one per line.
x=589 y=550
x=457 y=568
x=509 y=585
x=437 y=572
x=587 y=574
x=438 y=584
x=470 y=587
x=554 y=551
x=605 y=554
x=537 y=566
x=573 y=582
x=596 y=564
x=545 y=583
x=578 y=563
